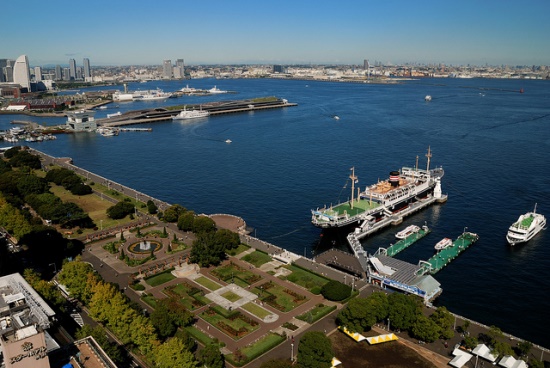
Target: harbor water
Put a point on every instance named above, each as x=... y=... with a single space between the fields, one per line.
x=492 y=141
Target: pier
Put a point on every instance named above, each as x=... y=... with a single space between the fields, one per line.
x=407 y=242
x=445 y=256
x=214 y=108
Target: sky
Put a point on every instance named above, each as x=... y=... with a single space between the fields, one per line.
x=146 y=32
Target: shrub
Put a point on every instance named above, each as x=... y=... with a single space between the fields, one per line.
x=335 y=291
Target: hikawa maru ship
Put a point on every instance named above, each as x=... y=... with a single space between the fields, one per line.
x=385 y=202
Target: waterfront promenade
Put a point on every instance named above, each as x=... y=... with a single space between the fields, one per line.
x=113 y=270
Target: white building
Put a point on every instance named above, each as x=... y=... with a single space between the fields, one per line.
x=21 y=73
x=81 y=121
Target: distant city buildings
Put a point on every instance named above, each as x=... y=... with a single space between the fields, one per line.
x=179 y=69
x=167 y=69
x=72 y=69
x=87 y=70
x=37 y=73
x=21 y=73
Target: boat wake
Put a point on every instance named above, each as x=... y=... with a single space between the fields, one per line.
x=506 y=124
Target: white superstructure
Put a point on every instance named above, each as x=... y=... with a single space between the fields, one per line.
x=190 y=114
x=526 y=227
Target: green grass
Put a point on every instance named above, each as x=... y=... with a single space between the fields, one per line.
x=237 y=324
x=306 y=279
x=160 y=278
x=282 y=299
x=207 y=283
x=257 y=258
x=315 y=314
x=232 y=271
x=150 y=300
x=199 y=335
x=256 y=310
x=241 y=248
x=253 y=351
x=231 y=296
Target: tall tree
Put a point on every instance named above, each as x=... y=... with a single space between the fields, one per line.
x=211 y=357
x=315 y=350
x=173 y=353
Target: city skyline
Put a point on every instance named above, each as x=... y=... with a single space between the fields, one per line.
x=245 y=32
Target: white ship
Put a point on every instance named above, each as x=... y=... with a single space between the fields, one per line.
x=405 y=192
x=526 y=227
x=118 y=113
x=443 y=244
x=190 y=114
x=409 y=230
x=151 y=95
x=216 y=90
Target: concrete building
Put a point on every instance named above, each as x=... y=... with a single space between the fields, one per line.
x=72 y=69
x=81 y=121
x=179 y=69
x=3 y=64
x=66 y=74
x=87 y=70
x=24 y=318
x=167 y=69
x=58 y=73
x=21 y=73
x=37 y=73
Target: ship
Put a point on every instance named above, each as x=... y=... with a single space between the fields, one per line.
x=444 y=244
x=409 y=230
x=190 y=114
x=526 y=227
x=385 y=202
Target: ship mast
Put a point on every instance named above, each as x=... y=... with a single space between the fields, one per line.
x=416 y=167
x=353 y=178
x=429 y=156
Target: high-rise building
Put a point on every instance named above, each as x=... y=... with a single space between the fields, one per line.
x=37 y=73
x=167 y=69
x=179 y=70
x=365 y=64
x=3 y=64
x=87 y=70
x=58 y=75
x=21 y=73
x=8 y=74
x=66 y=74
x=79 y=73
x=72 y=69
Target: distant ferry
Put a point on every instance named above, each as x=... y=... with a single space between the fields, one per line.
x=190 y=114
x=145 y=95
x=118 y=113
x=216 y=90
x=428 y=98
x=526 y=227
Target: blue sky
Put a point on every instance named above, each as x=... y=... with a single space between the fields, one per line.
x=122 y=32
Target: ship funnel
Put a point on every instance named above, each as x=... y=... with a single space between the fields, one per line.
x=394 y=178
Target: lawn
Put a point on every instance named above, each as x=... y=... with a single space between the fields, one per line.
x=207 y=283
x=279 y=297
x=306 y=279
x=236 y=326
x=257 y=258
x=256 y=310
x=263 y=345
x=231 y=296
x=198 y=335
x=231 y=272
x=241 y=248
x=149 y=299
x=189 y=296
x=160 y=278
x=315 y=314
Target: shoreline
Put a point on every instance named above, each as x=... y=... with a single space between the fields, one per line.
x=272 y=250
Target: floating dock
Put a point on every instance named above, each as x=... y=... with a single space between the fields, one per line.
x=407 y=242
x=444 y=256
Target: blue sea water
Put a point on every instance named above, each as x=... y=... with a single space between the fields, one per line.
x=492 y=141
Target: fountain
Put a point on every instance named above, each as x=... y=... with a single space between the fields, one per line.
x=145 y=246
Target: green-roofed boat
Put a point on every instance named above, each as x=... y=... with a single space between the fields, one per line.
x=526 y=227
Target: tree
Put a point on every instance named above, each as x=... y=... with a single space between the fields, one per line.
x=335 y=291
x=315 y=350
x=470 y=342
x=211 y=356
x=31 y=184
x=173 y=353
x=226 y=239
x=425 y=329
x=524 y=347
x=172 y=213
x=24 y=158
x=47 y=290
x=502 y=348
x=151 y=207
x=120 y=210
x=186 y=220
x=203 y=224
x=445 y=321
x=403 y=310
x=358 y=315
x=75 y=275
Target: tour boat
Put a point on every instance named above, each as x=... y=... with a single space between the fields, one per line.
x=190 y=114
x=526 y=227
x=428 y=98
x=409 y=230
x=444 y=243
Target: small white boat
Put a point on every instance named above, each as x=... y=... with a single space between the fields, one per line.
x=409 y=230
x=102 y=107
x=444 y=243
x=228 y=141
x=526 y=227
x=118 y=113
x=336 y=117
x=428 y=98
x=216 y=90
x=190 y=114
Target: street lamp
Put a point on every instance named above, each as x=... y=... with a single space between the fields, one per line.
x=388 y=324
x=54 y=267
x=291 y=352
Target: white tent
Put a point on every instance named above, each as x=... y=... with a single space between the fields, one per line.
x=511 y=362
x=461 y=358
x=484 y=352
